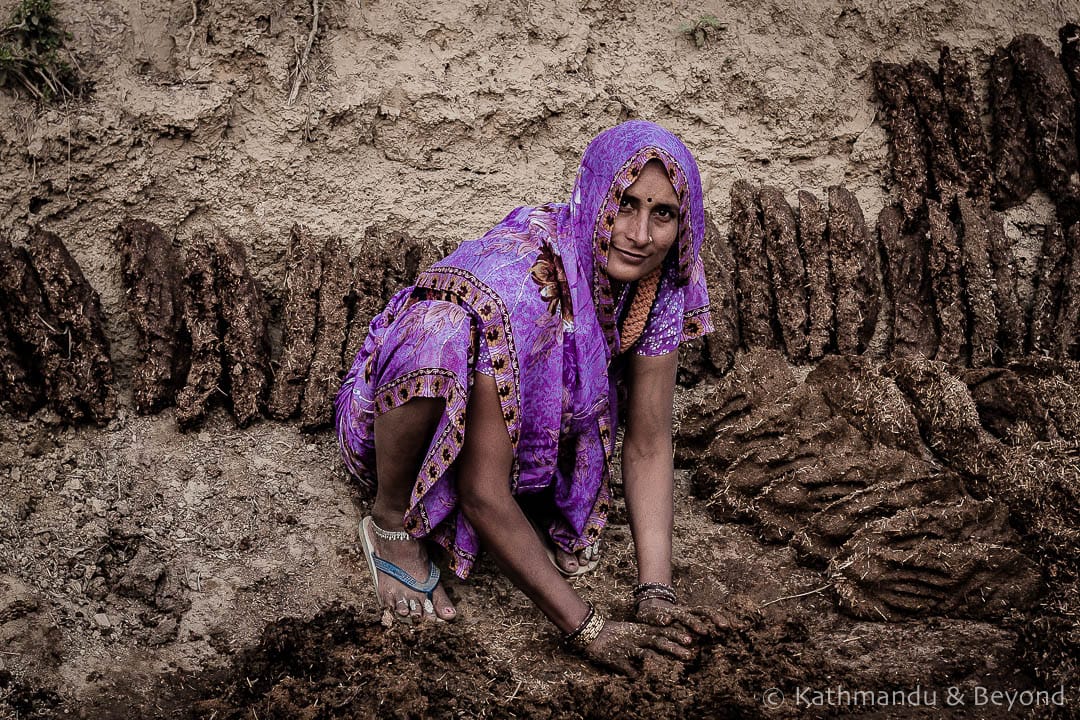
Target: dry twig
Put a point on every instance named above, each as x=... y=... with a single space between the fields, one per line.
x=301 y=60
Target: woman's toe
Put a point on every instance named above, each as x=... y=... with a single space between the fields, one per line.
x=567 y=561
x=416 y=609
x=444 y=609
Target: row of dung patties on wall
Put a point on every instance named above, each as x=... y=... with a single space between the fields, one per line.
x=201 y=321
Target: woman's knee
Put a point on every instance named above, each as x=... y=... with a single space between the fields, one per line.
x=409 y=425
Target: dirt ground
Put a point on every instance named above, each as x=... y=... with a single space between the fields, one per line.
x=882 y=523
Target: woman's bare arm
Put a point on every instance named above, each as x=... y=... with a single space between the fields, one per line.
x=647 y=469
x=484 y=494
x=484 y=491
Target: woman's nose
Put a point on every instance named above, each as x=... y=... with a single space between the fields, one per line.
x=641 y=228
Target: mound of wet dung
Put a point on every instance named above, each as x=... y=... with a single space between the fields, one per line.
x=340 y=664
x=876 y=470
x=303 y=272
x=713 y=355
x=245 y=338
x=332 y=320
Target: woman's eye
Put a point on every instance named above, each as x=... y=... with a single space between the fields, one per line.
x=664 y=213
x=624 y=204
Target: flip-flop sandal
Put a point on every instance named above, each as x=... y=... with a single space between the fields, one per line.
x=377 y=565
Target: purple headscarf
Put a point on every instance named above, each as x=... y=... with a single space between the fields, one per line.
x=530 y=303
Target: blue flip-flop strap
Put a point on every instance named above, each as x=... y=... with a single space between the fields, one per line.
x=408 y=580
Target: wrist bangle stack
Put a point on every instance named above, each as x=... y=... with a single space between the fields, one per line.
x=654 y=590
x=589 y=629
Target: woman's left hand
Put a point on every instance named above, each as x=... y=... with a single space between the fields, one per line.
x=701 y=621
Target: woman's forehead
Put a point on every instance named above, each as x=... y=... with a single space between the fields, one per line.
x=653 y=184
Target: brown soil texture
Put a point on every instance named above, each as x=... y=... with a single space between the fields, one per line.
x=853 y=259
x=876 y=522
x=1012 y=155
x=965 y=112
x=151 y=271
x=303 y=275
x=787 y=271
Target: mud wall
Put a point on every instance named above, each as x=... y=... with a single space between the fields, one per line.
x=437 y=122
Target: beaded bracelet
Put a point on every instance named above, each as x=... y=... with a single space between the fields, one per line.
x=589 y=629
x=650 y=591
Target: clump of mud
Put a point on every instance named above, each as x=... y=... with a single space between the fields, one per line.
x=925 y=489
x=201 y=313
x=332 y=321
x=806 y=283
x=712 y=355
x=340 y=664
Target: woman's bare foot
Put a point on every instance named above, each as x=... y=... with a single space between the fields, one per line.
x=412 y=557
x=570 y=563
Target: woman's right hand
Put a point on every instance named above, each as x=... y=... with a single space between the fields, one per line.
x=620 y=644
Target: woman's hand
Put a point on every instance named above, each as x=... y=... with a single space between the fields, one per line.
x=620 y=644
x=701 y=621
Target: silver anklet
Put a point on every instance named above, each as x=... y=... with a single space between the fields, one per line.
x=396 y=535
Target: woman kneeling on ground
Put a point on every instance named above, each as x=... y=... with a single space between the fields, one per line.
x=484 y=403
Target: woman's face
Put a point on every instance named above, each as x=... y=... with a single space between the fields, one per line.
x=646 y=226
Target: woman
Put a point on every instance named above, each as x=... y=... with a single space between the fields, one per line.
x=496 y=383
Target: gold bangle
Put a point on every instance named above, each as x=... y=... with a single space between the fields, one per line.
x=590 y=630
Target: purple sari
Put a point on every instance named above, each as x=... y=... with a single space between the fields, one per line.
x=530 y=303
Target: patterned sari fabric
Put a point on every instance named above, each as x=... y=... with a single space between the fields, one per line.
x=530 y=303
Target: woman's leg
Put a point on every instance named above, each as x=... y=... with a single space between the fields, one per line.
x=402 y=437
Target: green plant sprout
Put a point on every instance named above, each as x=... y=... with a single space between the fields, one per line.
x=30 y=53
x=701 y=29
